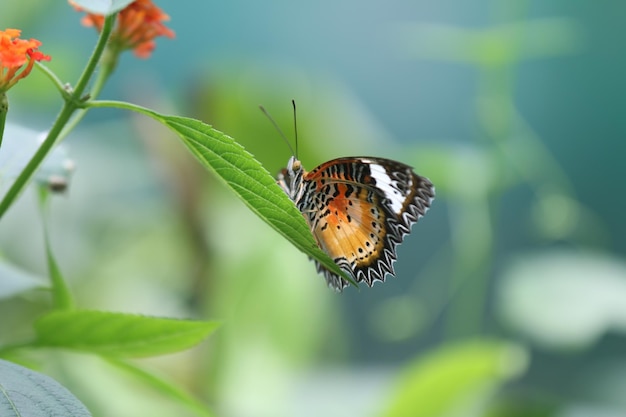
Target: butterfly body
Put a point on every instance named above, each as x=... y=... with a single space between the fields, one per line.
x=359 y=209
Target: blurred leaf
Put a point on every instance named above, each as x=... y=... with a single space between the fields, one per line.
x=250 y=181
x=556 y=215
x=60 y=292
x=407 y=313
x=455 y=377
x=333 y=121
x=14 y=281
x=522 y=403
x=581 y=408
x=118 y=334
x=25 y=393
x=564 y=299
x=61 y=295
x=19 y=144
x=103 y=7
x=493 y=46
x=448 y=168
x=164 y=387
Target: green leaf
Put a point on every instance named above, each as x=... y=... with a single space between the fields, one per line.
x=118 y=334
x=103 y=7
x=164 y=387
x=26 y=393
x=455 y=377
x=250 y=181
x=61 y=295
x=238 y=169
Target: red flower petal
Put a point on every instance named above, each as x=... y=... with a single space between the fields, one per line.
x=137 y=26
x=14 y=53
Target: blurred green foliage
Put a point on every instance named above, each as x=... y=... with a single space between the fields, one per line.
x=509 y=295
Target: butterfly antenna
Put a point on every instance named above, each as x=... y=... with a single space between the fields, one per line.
x=295 y=125
x=282 y=135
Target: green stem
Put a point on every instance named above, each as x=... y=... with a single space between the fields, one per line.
x=72 y=103
x=55 y=80
x=37 y=159
x=4 y=109
x=122 y=105
x=81 y=85
x=106 y=69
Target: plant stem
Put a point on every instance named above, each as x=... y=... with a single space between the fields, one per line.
x=55 y=80
x=72 y=103
x=37 y=159
x=4 y=109
x=95 y=57
x=121 y=105
x=102 y=76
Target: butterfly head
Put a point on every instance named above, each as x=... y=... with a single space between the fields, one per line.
x=294 y=166
x=290 y=178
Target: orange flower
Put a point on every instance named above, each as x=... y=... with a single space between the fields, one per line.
x=137 y=26
x=14 y=53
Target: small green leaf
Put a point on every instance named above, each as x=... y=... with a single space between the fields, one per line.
x=61 y=295
x=26 y=393
x=103 y=7
x=455 y=376
x=250 y=181
x=118 y=334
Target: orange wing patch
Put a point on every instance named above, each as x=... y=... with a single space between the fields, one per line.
x=351 y=228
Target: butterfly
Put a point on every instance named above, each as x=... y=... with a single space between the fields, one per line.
x=359 y=209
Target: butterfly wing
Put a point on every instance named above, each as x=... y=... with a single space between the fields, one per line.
x=359 y=210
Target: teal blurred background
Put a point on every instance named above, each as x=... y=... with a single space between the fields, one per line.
x=510 y=298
